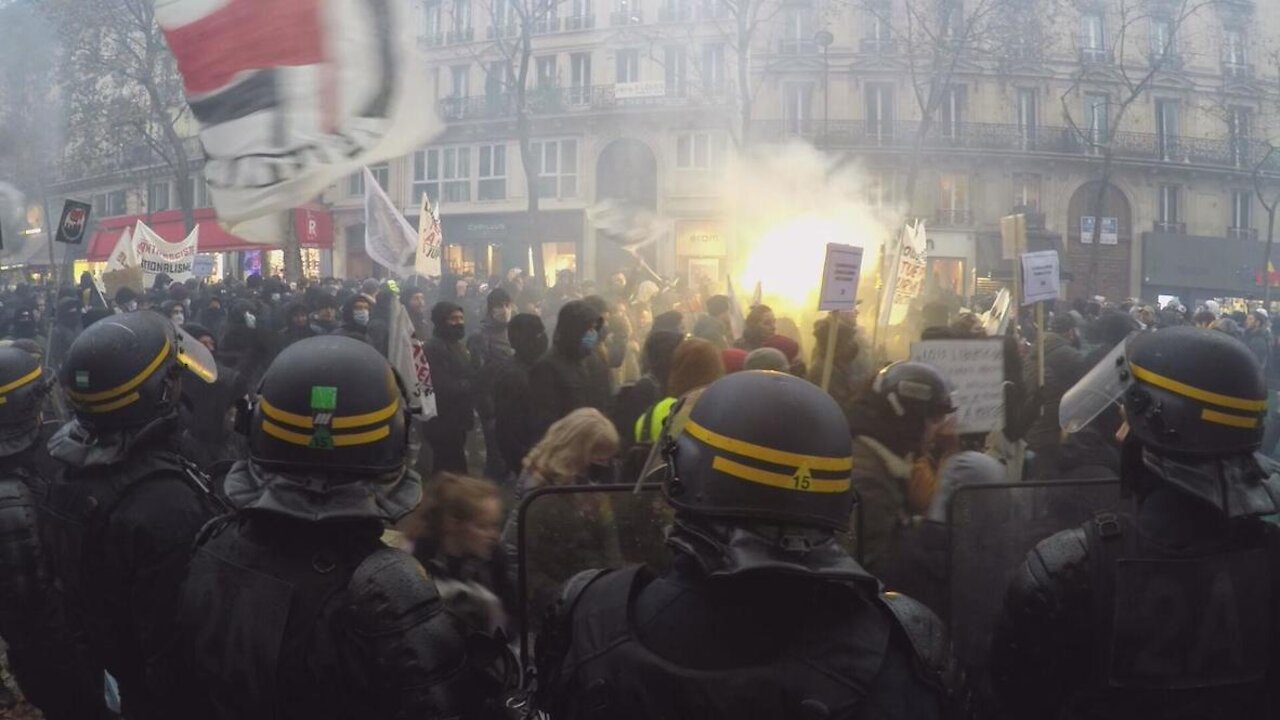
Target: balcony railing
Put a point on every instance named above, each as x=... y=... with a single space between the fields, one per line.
x=454 y=37
x=1096 y=56
x=546 y=25
x=1168 y=226
x=953 y=217
x=433 y=40
x=797 y=47
x=1170 y=60
x=580 y=22
x=872 y=46
x=1237 y=153
x=507 y=31
x=1236 y=233
x=1236 y=71
x=553 y=100
x=626 y=17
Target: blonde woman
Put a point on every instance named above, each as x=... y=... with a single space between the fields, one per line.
x=566 y=533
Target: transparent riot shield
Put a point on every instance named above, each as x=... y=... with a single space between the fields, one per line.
x=991 y=528
x=561 y=531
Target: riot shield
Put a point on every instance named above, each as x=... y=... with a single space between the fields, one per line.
x=561 y=531
x=991 y=528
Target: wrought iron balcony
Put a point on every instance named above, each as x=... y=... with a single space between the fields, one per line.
x=1237 y=71
x=634 y=16
x=507 y=31
x=1096 y=56
x=953 y=217
x=580 y=22
x=557 y=100
x=463 y=35
x=546 y=25
x=1235 y=153
x=1236 y=233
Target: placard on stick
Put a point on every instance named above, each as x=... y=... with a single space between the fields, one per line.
x=976 y=371
x=840 y=276
x=1040 y=278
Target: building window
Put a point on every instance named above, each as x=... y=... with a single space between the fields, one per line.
x=1239 y=129
x=699 y=151
x=879 y=111
x=954 y=193
x=497 y=79
x=556 y=163
x=461 y=81
x=713 y=68
x=951 y=112
x=881 y=189
x=426 y=176
x=197 y=190
x=798 y=31
x=580 y=78
x=627 y=66
x=1026 y=191
x=1233 y=48
x=1028 y=106
x=677 y=71
x=158 y=197
x=1168 y=210
x=1241 y=210
x=877 y=25
x=455 y=174
x=381 y=173
x=492 y=184
x=1167 y=128
x=461 y=19
x=434 y=28
x=796 y=99
x=546 y=71
x=1162 y=38
x=117 y=203
x=1091 y=37
x=1095 y=113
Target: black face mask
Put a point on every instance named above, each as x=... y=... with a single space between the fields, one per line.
x=452 y=333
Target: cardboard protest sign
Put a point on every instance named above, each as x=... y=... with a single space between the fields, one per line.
x=976 y=371
x=1040 y=277
x=840 y=276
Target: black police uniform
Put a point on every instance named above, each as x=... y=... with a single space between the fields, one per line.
x=51 y=667
x=119 y=523
x=763 y=614
x=293 y=607
x=1175 y=611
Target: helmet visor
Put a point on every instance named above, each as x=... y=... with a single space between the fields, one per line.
x=1100 y=388
x=194 y=356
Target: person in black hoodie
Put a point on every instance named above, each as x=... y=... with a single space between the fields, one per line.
x=295 y=328
x=212 y=316
x=356 y=312
x=564 y=380
x=490 y=348
x=65 y=329
x=453 y=378
x=515 y=424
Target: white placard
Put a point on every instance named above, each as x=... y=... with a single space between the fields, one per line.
x=1110 y=234
x=840 y=278
x=976 y=371
x=1040 y=280
x=159 y=256
x=202 y=266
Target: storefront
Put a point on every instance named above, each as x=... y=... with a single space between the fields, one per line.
x=487 y=244
x=949 y=264
x=1193 y=269
x=231 y=255
x=701 y=253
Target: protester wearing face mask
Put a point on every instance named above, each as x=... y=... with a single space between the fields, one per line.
x=489 y=349
x=453 y=377
x=562 y=381
x=126 y=299
x=174 y=310
x=213 y=316
x=514 y=422
x=355 y=318
x=325 y=318
x=578 y=449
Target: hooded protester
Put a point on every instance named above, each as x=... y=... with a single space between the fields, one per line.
x=356 y=313
x=454 y=381
x=212 y=315
x=175 y=311
x=324 y=317
x=515 y=425
x=207 y=436
x=633 y=400
x=1257 y=336
x=126 y=299
x=23 y=326
x=415 y=301
x=695 y=364
x=1065 y=363
x=714 y=326
x=296 y=327
x=66 y=328
x=490 y=348
x=562 y=379
x=242 y=345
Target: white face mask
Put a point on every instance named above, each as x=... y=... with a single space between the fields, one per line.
x=250 y=321
x=361 y=317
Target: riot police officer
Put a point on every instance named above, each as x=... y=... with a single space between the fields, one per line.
x=763 y=614
x=1171 y=612
x=294 y=608
x=119 y=523
x=51 y=668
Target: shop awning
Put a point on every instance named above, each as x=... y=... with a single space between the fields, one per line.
x=313 y=223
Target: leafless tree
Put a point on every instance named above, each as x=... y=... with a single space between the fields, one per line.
x=1126 y=73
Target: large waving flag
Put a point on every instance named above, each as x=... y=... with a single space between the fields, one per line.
x=430 y=240
x=293 y=95
x=388 y=238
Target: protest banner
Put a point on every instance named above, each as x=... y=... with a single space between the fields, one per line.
x=1040 y=277
x=388 y=238
x=840 y=274
x=74 y=222
x=123 y=255
x=976 y=371
x=430 y=240
x=158 y=256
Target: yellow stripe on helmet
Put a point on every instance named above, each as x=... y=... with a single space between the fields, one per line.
x=1214 y=416
x=1195 y=393
x=801 y=481
x=129 y=399
x=349 y=440
x=767 y=454
x=121 y=389
x=24 y=380
x=338 y=423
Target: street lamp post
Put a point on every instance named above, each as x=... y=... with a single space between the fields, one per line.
x=824 y=38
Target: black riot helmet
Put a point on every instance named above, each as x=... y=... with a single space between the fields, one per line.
x=23 y=386
x=330 y=405
x=765 y=447
x=914 y=390
x=1194 y=401
x=119 y=371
